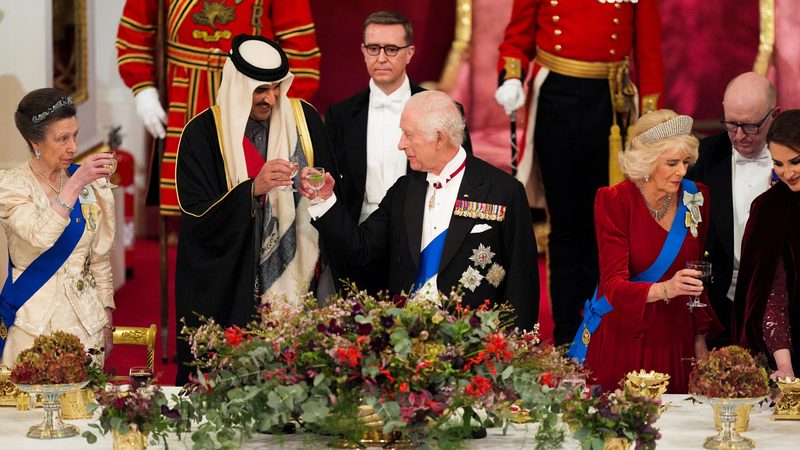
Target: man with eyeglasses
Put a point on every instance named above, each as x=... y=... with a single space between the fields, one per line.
x=737 y=168
x=365 y=128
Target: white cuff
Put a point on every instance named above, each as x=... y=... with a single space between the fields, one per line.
x=318 y=210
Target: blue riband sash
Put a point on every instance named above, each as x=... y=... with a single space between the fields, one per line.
x=16 y=293
x=596 y=308
x=429 y=260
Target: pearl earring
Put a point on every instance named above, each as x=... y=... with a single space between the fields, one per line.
x=646 y=178
x=38 y=154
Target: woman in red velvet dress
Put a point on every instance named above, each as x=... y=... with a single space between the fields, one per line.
x=651 y=326
x=767 y=304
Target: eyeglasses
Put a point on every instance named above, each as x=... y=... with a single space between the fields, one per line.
x=390 y=50
x=748 y=128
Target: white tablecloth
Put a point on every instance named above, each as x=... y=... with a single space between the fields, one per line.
x=683 y=426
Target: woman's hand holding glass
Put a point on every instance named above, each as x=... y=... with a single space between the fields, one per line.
x=684 y=282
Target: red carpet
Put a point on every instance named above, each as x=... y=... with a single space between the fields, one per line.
x=138 y=305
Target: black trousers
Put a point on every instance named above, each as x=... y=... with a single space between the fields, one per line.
x=571 y=140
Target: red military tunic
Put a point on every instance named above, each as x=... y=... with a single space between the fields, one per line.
x=199 y=35
x=586 y=30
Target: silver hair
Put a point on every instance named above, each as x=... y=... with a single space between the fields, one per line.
x=439 y=113
x=639 y=159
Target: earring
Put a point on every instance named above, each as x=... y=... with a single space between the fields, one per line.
x=646 y=178
x=38 y=154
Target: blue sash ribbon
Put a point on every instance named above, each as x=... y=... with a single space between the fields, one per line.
x=596 y=308
x=16 y=293
x=429 y=260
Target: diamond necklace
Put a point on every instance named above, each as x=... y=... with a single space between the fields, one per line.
x=661 y=212
x=60 y=179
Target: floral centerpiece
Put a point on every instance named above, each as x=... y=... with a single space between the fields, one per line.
x=56 y=364
x=731 y=381
x=59 y=358
x=424 y=366
x=728 y=372
x=611 y=418
x=132 y=412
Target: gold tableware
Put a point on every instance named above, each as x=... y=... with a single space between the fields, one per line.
x=788 y=404
x=649 y=384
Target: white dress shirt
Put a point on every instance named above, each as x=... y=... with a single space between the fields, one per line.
x=385 y=163
x=439 y=210
x=750 y=177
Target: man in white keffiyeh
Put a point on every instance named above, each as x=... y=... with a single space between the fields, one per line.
x=245 y=234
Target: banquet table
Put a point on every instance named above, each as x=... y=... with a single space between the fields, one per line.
x=683 y=426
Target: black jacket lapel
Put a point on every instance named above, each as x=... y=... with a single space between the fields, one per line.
x=722 y=207
x=414 y=211
x=472 y=188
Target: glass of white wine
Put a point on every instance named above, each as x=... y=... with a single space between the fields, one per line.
x=113 y=167
x=316 y=180
x=295 y=168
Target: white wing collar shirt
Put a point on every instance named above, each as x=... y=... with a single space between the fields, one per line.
x=750 y=177
x=385 y=163
x=439 y=204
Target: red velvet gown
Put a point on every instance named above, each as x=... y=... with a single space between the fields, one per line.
x=638 y=335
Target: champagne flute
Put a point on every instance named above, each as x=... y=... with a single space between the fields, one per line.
x=295 y=168
x=704 y=267
x=140 y=375
x=316 y=180
x=112 y=167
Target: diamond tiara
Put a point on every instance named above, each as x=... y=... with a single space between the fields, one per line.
x=63 y=102
x=673 y=127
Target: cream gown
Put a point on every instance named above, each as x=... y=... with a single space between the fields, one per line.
x=32 y=226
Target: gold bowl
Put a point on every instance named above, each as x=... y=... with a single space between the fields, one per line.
x=649 y=384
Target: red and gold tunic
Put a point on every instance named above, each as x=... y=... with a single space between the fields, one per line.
x=586 y=31
x=199 y=35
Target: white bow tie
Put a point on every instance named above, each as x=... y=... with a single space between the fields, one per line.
x=762 y=158
x=394 y=104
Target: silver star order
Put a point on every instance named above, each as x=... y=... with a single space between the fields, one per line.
x=495 y=275
x=482 y=255
x=471 y=279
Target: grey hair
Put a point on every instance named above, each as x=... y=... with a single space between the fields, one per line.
x=639 y=159
x=440 y=113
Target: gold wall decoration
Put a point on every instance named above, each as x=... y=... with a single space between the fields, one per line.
x=70 y=57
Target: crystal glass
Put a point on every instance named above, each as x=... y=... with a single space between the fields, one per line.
x=113 y=167
x=52 y=427
x=316 y=180
x=704 y=267
x=293 y=161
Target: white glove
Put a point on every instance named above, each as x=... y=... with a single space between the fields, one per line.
x=149 y=109
x=510 y=95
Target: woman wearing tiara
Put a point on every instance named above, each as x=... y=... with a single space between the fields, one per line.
x=59 y=222
x=648 y=227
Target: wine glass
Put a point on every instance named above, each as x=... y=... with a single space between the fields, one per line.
x=112 y=167
x=704 y=267
x=140 y=375
x=295 y=168
x=316 y=180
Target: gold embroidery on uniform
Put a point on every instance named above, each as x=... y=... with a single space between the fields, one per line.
x=213 y=13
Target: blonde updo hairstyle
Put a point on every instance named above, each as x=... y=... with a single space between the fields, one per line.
x=638 y=161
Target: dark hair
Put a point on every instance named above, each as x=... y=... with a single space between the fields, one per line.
x=785 y=129
x=390 y=18
x=38 y=109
